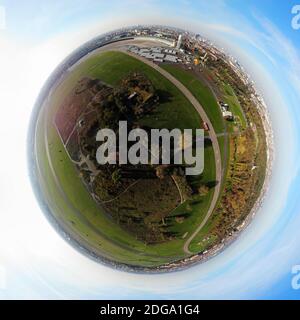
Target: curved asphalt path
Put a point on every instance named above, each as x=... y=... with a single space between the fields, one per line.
x=212 y=135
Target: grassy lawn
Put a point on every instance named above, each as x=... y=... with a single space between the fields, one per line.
x=67 y=210
x=196 y=208
x=75 y=207
x=115 y=65
x=201 y=92
x=231 y=99
x=209 y=103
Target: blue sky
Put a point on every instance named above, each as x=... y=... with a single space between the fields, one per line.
x=38 y=35
x=52 y=16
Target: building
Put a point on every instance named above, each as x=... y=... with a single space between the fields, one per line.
x=179 y=42
x=196 y=61
x=170 y=58
x=156 y=50
x=225 y=111
x=158 y=55
x=227 y=115
x=224 y=106
x=171 y=51
x=204 y=57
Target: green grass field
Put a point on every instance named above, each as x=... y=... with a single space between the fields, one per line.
x=197 y=207
x=73 y=204
x=201 y=92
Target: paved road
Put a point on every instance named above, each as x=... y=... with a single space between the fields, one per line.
x=212 y=135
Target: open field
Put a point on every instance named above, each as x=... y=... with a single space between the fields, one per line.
x=196 y=208
x=215 y=144
x=81 y=212
x=204 y=95
x=204 y=239
x=201 y=92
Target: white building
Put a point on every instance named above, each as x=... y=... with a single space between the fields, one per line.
x=158 y=55
x=179 y=42
x=170 y=58
x=227 y=115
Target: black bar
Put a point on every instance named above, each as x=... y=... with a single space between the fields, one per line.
x=115 y=309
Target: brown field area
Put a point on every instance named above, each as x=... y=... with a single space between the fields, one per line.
x=74 y=105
